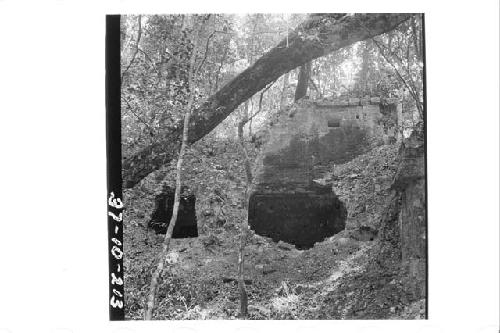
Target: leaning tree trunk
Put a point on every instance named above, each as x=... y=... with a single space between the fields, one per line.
x=318 y=36
x=303 y=81
x=150 y=304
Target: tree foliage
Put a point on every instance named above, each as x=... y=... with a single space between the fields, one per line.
x=235 y=73
x=243 y=54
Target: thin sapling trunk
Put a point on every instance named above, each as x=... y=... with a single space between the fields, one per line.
x=244 y=226
x=148 y=314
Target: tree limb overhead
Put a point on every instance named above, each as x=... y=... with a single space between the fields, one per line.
x=321 y=34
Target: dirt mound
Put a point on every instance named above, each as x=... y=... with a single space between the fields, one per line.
x=331 y=280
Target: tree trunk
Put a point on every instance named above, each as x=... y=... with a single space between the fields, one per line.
x=150 y=303
x=303 y=81
x=318 y=92
x=319 y=35
x=244 y=226
x=246 y=115
x=410 y=181
x=415 y=38
x=283 y=91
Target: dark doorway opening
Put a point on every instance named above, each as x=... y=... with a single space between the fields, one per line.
x=186 y=225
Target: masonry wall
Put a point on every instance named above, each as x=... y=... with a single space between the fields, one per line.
x=319 y=132
x=286 y=204
x=381 y=118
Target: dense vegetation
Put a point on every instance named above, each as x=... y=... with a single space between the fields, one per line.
x=189 y=82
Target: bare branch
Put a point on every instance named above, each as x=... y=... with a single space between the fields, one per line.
x=206 y=51
x=148 y=313
x=412 y=92
x=244 y=226
x=131 y=109
x=139 y=32
x=246 y=120
x=315 y=87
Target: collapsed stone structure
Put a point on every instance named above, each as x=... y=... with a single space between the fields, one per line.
x=286 y=203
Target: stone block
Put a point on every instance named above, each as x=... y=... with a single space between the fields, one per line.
x=353 y=101
x=341 y=103
x=391 y=100
x=375 y=100
x=330 y=104
x=365 y=101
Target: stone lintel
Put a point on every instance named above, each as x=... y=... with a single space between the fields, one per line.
x=365 y=100
x=391 y=100
x=353 y=101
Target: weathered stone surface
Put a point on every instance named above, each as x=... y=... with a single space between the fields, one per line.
x=364 y=233
x=286 y=204
x=353 y=101
x=339 y=145
x=341 y=103
x=375 y=100
x=391 y=100
x=301 y=219
x=316 y=135
x=365 y=101
x=185 y=226
x=292 y=166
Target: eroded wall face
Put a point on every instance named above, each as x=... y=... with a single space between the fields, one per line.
x=286 y=204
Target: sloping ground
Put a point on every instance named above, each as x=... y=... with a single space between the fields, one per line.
x=346 y=276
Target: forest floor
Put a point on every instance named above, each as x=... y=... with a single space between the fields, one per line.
x=352 y=275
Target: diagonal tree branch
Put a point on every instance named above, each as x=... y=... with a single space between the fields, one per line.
x=150 y=302
x=316 y=37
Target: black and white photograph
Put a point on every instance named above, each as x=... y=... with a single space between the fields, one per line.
x=261 y=166
x=273 y=166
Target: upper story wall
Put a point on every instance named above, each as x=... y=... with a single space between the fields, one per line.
x=381 y=118
x=315 y=133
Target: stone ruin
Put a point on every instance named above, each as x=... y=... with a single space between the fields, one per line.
x=287 y=203
x=186 y=225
